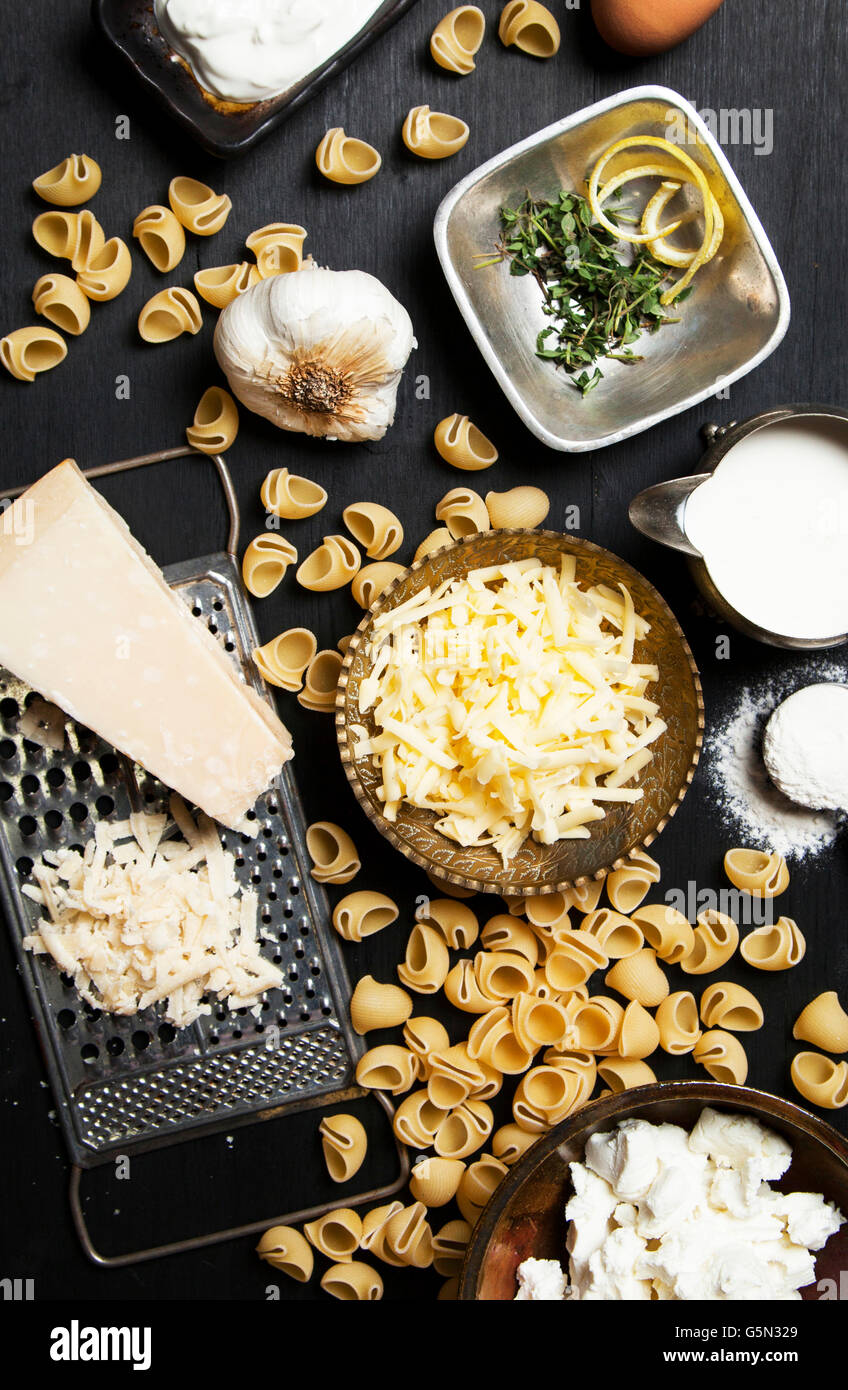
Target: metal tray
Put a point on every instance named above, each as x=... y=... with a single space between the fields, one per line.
x=223 y=128
x=124 y=1085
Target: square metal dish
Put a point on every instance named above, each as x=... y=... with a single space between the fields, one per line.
x=223 y=128
x=736 y=316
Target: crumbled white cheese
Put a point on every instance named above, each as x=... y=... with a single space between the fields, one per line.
x=143 y=916
x=540 y=1281
x=659 y=1213
x=510 y=703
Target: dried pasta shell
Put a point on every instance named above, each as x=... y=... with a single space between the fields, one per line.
x=545 y=1095
x=716 y=938
x=433 y=134
x=462 y=989
x=479 y=1181
x=278 y=248
x=549 y=910
x=456 y=39
x=596 y=1023
x=107 y=274
x=586 y=895
x=530 y=27
x=436 y=540
x=639 y=977
x=453 y=890
x=577 y=955
x=198 y=207
x=573 y=1059
x=628 y=886
x=723 y=1056
x=265 y=562
x=28 y=351
x=73 y=181
x=462 y=445
x=321 y=681
x=90 y=240
x=756 y=871
x=417 y=1120
x=492 y=1082
x=287 y=495
x=287 y=1250
x=373 y=580
x=426 y=963
x=503 y=974
x=726 y=1005
x=345 y=159
x=510 y=1142
x=639 y=1034
x=493 y=1041
x=456 y=922
x=387 y=1068
x=363 y=913
x=59 y=299
x=453 y=1076
x=506 y=933
x=374 y=1005
x=354 y=1282
x=161 y=236
x=449 y=1244
x=623 y=1073
x=778 y=947
x=424 y=1035
x=219 y=285
x=616 y=933
x=464 y=512
x=56 y=233
x=434 y=1181
x=409 y=1237
x=168 y=314
x=216 y=422
x=538 y=1022
x=345 y=1143
x=333 y=853
x=283 y=660
x=820 y=1080
x=336 y=1235
x=824 y=1023
x=376 y=529
x=374 y=1224
x=677 y=1020
x=331 y=565
x=523 y=507
x=666 y=931
x=464 y=1130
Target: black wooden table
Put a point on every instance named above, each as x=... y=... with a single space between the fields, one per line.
x=63 y=92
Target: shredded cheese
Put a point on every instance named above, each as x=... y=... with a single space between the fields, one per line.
x=143 y=916
x=509 y=702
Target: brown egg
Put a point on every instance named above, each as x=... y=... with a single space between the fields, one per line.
x=642 y=27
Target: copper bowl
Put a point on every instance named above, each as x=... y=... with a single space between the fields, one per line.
x=538 y=868
x=526 y=1215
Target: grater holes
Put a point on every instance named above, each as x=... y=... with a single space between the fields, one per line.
x=53 y=820
x=115 y=1047
x=55 y=778
x=30 y=784
x=212 y=626
x=6 y=791
x=66 y=1018
x=9 y=708
x=81 y=771
x=141 y=1040
x=7 y=749
x=78 y=812
x=109 y=764
x=105 y=806
x=27 y=826
x=89 y=1052
x=166 y=1033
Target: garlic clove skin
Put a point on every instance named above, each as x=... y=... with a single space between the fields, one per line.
x=317 y=351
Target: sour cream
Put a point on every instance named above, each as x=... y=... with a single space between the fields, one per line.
x=249 y=50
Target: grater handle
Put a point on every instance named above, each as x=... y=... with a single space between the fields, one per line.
x=163 y=456
x=253 y=1228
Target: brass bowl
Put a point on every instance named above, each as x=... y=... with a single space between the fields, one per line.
x=526 y=1215
x=537 y=868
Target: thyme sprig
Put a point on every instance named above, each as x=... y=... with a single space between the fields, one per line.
x=598 y=303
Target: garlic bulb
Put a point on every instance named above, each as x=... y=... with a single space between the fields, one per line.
x=319 y=351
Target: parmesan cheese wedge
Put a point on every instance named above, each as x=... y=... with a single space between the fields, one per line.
x=87 y=619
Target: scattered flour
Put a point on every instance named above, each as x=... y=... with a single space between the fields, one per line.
x=746 y=798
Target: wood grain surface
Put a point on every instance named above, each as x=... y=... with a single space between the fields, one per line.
x=63 y=91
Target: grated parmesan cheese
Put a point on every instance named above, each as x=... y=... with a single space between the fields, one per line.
x=143 y=915
x=509 y=702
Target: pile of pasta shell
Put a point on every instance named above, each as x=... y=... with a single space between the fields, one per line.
x=541 y=1028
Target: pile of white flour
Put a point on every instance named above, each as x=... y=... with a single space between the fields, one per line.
x=747 y=801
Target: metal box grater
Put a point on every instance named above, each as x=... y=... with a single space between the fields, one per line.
x=123 y=1085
